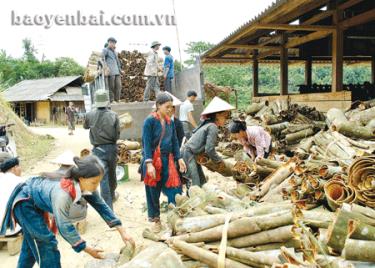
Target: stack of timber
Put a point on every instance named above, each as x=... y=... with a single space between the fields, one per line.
x=91 y=70
x=212 y=90
x=133 y=81
x=128 y=152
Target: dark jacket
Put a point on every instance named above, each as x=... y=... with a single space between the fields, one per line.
x=151 y=133
x=179 y=131
x=104 y=126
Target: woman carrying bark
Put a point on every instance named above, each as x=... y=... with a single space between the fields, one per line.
x=256 y=141
x=32 y=201
x=160 y=153
x=204 y=139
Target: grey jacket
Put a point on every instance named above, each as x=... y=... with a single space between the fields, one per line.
x=104 y=126
x=204 y=141
x=112 y=61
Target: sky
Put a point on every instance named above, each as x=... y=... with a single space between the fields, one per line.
x=197 y=20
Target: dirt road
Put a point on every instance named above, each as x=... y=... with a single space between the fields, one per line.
x=129 y=207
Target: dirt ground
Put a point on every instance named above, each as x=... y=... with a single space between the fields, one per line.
x=129 y=207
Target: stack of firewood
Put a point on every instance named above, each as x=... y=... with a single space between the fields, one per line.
x=133 y=81
x=128 y=152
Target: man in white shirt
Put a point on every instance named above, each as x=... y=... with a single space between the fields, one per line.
x=186 y=113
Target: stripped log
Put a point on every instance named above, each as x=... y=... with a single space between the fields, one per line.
x=241 y=227
x=205 y=256
x=359 y=250
x=280 y=234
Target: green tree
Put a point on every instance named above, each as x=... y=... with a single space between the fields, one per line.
x=196 y=49
x=13 y=70
x=29 y=50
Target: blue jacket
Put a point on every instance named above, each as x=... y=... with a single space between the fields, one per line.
x=48 y=195
x=151 y=132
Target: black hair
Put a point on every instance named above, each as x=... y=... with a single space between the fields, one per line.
x=167 y=48
x=191 y=93
x=87 y=167
x=236 y=126
x=162 y=98
x=9 y=164
x=209 y=118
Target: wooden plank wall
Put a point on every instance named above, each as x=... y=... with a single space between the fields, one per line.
x=322 y=101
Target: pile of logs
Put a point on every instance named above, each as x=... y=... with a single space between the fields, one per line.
x=212 y=90
x=216 y=228
x=133 y=81
x=128 y=152
x=91 y=70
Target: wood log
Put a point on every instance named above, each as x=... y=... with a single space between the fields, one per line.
x=254 y=259
x=277 y=177
x=130 y=145
x=205 y=256
x=126 y=120
x=369 y=212
x=296 y=137
x=270 y=119
x=255 y=107
x=241 y=227
x=269 y=163
x=335 y=116
x=359 y=250
x=274 y=129
x=363 y=117
x=361 y=231
x=293 y=243
x=351 y=129
x=280 y=234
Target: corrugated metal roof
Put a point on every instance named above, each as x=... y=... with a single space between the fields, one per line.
x=62 y=96
x=257 y=18
x=37 y=90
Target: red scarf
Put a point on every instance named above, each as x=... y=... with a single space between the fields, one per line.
x=173 y=176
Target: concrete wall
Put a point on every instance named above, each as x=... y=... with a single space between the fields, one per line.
x=139 y=111
x=43 y=111
x=188 y=79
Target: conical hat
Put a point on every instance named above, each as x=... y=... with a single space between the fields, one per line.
x=175 y=101
x=66 y=159
x=217 y=105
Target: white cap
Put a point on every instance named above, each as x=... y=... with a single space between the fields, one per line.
x=175 y=101
x=66 y=159
x=217 y=105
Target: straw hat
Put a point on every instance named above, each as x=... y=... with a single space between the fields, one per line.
x=175 y=101
x=217 y=105
x=66 y=159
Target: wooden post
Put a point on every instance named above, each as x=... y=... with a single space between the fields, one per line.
x=308 y=72
x=255 y=74
x=337 y=54
x=283 y=66
x=373 y=69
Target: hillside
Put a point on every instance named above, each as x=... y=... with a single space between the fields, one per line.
x=30 y=147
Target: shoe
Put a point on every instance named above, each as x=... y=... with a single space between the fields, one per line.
x=156 y=227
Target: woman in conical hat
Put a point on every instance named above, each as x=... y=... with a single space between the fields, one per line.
x=204 y=139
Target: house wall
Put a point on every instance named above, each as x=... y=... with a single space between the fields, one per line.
x=43 y=111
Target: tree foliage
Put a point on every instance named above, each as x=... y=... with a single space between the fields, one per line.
x=14 y=70
x=196 y=49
